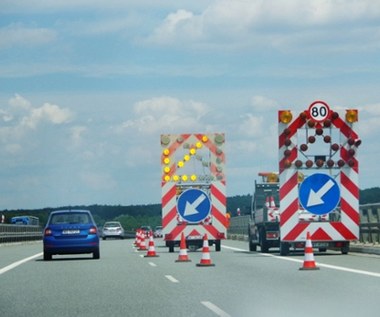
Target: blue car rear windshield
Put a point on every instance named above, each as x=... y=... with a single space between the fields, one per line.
x=71 y=218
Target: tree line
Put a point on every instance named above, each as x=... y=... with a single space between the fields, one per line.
x=134 y=216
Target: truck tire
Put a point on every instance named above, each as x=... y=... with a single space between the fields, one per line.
x=217 y=246
x=252 y=246
x=170 y=244
x=346 y=248
x=284 y=248
x=263 y=241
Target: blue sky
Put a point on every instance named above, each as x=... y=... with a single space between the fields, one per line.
x=87 y=87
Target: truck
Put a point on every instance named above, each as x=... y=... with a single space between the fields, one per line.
x=315 y=190
x=264 y=224
x=193 y=187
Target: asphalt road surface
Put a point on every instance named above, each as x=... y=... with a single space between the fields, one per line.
x=242 y=283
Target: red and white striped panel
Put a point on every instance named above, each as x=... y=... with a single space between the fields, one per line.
x=174 y=148
x=291 y=227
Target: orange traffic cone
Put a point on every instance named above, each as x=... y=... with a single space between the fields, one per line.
x=151 y=250
x=309 y=263
x=142 y=246
x=137 y=238
x=205 y=260
x=183 y=257
x=138 y=242
x=272 y=203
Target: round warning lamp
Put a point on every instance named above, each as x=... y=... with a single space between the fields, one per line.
x=285 y=116
x=351 y=115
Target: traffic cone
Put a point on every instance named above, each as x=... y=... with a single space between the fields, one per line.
x=205 y=260
x=151 y=250
x=138 y=242
x=272 y=203
x=137 y=238
x=142 y=246
x=183 y=257
x=309 y=263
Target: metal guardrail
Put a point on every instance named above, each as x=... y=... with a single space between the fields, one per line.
x=16 y=233
x=369 y=224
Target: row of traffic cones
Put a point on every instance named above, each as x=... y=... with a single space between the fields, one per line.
x=205 y=260
x=308 y=264
x=182 y=257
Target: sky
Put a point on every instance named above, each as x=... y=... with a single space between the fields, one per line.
x=87 y=88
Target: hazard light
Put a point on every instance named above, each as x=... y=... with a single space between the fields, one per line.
x=285 y=116
x=351 y=115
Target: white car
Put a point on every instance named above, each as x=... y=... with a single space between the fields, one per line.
x=112 y=229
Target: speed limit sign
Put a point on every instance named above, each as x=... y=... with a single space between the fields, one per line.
x=319 y=111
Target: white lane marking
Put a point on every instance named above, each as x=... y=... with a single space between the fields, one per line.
x=215 y=309
x=171 y=279
x=328 y=266
x=16 y=264
x=152 y=264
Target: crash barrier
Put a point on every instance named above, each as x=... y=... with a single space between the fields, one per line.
x=369 y=225
x=16 y=233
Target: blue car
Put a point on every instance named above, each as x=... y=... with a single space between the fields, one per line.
x=70 y=232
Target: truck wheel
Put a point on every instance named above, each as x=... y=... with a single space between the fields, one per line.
x=217 y=245
x=170 y=244
x=346 y=248
x=284 y=248
x=252 y=246
x=263 y=242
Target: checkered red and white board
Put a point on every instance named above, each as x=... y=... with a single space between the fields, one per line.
x=209 y=173
x=291 y=227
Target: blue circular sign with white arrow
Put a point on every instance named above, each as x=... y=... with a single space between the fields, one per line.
x=319 y=194
x=193 y=205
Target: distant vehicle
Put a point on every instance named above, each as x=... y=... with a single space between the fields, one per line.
x=112 y=229
x=70 y=232
x=146 y=230
x=158 y=232
x=25 y=220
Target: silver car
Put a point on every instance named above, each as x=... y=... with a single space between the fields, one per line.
x=113 y=229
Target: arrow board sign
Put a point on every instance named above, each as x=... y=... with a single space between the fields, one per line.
x=319 y=194
x=193 y=205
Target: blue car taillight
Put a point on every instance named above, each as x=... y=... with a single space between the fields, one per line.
x=93 y=230
x=48 y=232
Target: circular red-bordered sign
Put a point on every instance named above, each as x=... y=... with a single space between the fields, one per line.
x=319 y=111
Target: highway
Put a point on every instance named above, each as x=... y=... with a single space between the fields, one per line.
x=242 y=283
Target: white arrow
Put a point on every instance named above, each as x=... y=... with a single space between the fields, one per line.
x=315 y=198
x=191 y=208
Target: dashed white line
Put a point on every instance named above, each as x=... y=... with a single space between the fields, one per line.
x=152 y=264
x=333 y=267
x=16 y=264
x=219 y=312
x=171 y=279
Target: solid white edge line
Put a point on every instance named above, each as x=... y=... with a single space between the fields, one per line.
x=215 y=309
x=16 y=264
x=171 y=279
x=328 y=266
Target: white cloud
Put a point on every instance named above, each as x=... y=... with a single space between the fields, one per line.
x=47 y=113
x=98 y=180
x=284 y=25
x=19 y=35
x=166 y=115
